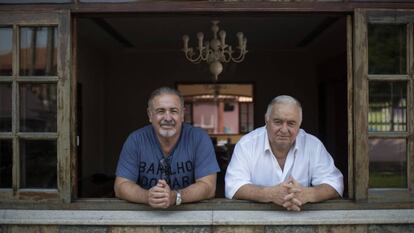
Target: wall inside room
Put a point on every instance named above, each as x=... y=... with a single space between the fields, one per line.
x=132 y=76
x=116 y=82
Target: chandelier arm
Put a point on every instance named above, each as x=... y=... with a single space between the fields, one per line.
x=206 y=53
x=240 y=58
x=227 y=56
x=193 y=60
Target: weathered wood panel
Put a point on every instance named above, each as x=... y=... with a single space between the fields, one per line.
x=410 y=114
x=350 y=87
x=64 y=107
x=361 y=162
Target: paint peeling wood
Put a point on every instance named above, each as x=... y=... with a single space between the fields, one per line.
x=361 y=164
x=350 y=107
x=28 y=18
x=6 y=135
x=64 y=103
x=410 y=113
x=39 y=195
x=37 y=136
x=42 y=79
x=73 y=110
x=391 y=16
x=388 y=77
x=389 y=134
x=213 y=6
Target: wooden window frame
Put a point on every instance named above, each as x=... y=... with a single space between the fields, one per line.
x=362 y=18
x=60 y=19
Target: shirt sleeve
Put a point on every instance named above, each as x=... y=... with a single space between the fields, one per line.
x=206 y=162
x=128 y=160
x=323 y=170
x=238 y=171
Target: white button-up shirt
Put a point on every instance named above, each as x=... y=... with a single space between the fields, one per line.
x=253 y=162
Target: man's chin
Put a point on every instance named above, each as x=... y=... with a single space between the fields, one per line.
x=283 y=143
x=167 y=133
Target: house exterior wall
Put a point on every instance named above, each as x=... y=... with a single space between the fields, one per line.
x=398 y=220
x=342 y=221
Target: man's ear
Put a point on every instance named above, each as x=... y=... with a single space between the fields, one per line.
x=149 y=115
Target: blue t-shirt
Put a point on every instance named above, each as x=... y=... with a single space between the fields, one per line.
x=192 y=158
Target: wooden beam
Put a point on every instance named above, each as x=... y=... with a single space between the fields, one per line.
x=207 y=6
x=350 y=87
x=360 y=102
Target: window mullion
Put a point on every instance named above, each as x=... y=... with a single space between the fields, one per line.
x=15 y=115
x=15 y=122
x=410 y=106
x=360 y=103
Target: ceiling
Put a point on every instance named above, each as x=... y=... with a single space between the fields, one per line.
x=161 y=32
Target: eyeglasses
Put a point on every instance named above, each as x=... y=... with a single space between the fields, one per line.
x=165 y=169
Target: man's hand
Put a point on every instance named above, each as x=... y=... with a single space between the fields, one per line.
x=161 y=196
x=297 y=195
x=277 y=193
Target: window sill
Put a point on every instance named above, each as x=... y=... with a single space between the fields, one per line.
x=217 y=204
x=205 y=217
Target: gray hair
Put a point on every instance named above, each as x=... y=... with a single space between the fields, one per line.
x=284 y=99
x=165 y=91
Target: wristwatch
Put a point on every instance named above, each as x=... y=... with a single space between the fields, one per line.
x=178 y=197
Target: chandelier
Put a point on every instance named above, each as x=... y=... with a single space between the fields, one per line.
x=215 y=51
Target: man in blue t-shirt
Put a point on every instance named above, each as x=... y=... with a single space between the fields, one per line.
x=167 y=162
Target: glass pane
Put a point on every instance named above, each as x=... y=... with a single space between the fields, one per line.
x=387 y=106
x=5 y=107
x=38 y=51
x=387 y=50
x=246 y=117
x=6 y=51
x=38 y=111
x=387 y=163
x=6 y=158
x=38 y=164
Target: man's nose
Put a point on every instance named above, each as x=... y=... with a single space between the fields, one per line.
x=284 y=127
x=167 y=115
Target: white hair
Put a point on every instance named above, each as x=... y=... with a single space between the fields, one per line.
x=284 y=99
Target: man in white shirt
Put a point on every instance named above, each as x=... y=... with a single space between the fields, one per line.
x=281 y=163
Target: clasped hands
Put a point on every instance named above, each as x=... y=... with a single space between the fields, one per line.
x=161 y=196
x=291 y=195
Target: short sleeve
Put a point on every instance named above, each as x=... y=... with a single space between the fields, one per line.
x=238 y=172
x=323 y=170
x=205 y=162
x=128 y=160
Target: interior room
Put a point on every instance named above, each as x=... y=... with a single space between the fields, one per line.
x=121 y=59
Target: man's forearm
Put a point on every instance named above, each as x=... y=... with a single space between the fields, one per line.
x=321 y=193
x=260 y=194
x=205 y=188
x=131 y=192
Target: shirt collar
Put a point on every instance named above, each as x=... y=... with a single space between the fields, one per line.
x=296 y=145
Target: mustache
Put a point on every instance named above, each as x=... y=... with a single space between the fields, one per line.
x=167 y=123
